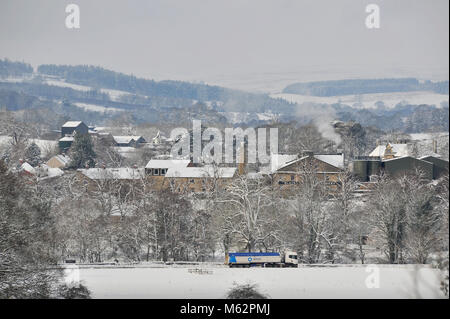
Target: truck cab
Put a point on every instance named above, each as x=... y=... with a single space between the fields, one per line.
x=290 y=259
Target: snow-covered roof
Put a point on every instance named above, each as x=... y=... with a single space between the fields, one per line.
x=281 y=161
x=62 y=158
x=66 y=139
x=170 y=163
x=27 y=168
x=398 y=149
x=336 y=160
x=201 y=172
x=431 y=155
x=72 y=124
x=113 y=173
x=398 y=158
x=126 y=139
x=49 y=172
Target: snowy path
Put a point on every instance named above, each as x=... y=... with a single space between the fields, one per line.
x=317 y=282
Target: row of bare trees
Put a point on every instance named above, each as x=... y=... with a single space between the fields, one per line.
x=109 y=219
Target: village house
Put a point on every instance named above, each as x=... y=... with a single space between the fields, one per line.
x=68 y=131
x=58 y=161
x=157 y=167
x=121 y=173
x=156 y=170
x=69 y=128
x=390 y=151
x=92 y=178
x=198 y=179
x=369 y=167
x=286 y=170
x=129 y=141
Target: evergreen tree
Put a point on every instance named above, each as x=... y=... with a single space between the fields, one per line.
x=82 y=151
x=33 y=154
x=26 y=236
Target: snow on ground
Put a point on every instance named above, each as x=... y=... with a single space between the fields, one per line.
x=428 y=136
x=127 y=152
x=113 y=94
x=267 y=116
x=395 y=281
x=239 y=117
x=14 y=79
x=44 y=145
x=97 y=108
x=367 y=101
x=68 y=85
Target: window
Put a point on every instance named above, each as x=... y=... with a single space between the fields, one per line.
x=156 y=171
x=192 y=181
x=163 y=171
x=293 y=256
x=292 y=177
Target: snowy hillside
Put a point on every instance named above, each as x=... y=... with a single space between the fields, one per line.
x=370 y=101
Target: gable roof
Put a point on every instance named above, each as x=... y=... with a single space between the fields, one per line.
x=403 y=157
x=28 y=168
x=126 y=139
x=433 y=157
x=279 y=160
x=62 y=158
x=335 y=160
x=153 y=163
x=201 y=172
x=123 y=173
x=72 y=124
x=66 y=139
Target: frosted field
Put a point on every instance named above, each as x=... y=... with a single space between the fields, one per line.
x=368 y=101
x=97 y=108
x=296 y=283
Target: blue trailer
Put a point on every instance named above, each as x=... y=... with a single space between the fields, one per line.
x=288 y=259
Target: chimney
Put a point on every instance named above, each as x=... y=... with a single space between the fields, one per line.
x=435 y=146
x=308 y=153
x=241 y=159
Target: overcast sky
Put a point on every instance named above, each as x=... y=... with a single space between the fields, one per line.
x=214 y=39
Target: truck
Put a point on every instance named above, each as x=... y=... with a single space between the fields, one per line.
x=286 y=259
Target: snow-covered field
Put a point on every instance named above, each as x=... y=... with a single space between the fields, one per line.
x=97 y=108
x=304 y=282
x=239 y=117
x=367 y=101
x=68 y=85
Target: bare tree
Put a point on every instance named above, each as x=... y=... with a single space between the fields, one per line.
x=387 y=205
x=245 y=212
x=312 y=215
x=424 y=221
